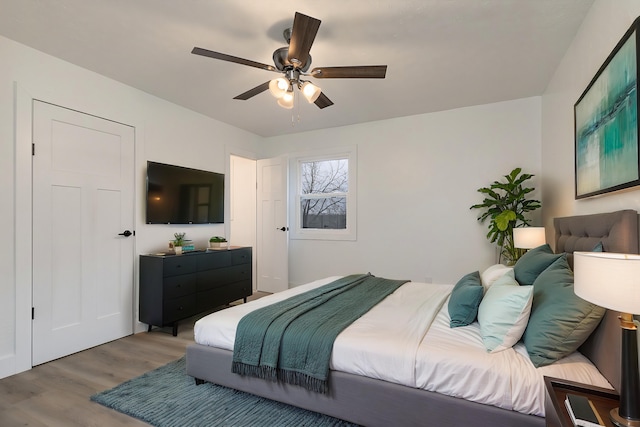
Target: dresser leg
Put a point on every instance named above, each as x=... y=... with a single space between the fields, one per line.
x=175 y=329
x=149 y=328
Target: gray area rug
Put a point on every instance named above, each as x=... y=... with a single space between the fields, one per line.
x=168 y=397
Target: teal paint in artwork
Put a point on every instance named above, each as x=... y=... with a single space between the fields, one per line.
x=607 y=126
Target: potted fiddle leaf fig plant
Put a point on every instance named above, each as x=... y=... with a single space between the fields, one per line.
x=217 y=242
x=505 y=205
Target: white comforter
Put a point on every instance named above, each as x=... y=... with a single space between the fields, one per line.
x=406 y=339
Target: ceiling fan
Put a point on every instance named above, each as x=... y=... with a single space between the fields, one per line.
x=292 y=62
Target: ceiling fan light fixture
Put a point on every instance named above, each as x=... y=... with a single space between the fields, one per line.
x=310 y=91
x=292 y=62
x=278 y=87
x=286 y=101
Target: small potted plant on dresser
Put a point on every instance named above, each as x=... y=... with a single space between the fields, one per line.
x=177 y=243
x=217 y=242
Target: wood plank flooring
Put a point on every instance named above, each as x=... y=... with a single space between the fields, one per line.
x=57 y=393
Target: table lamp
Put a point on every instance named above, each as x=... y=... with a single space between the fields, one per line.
x=528 y=237
x=612 y=281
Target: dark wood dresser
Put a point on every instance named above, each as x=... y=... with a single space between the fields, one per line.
x=175 y=287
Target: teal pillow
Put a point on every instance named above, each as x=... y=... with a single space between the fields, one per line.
x=504 y=312
x=598 y=247
x=465 y=299
x=534 y=262
x=560 y=321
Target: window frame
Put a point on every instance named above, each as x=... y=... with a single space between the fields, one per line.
x=296 y=230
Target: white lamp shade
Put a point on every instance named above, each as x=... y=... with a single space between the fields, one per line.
x=528 y=237
x=609 y=280
x=310 y=91
x=286 y=101
x=278 y=87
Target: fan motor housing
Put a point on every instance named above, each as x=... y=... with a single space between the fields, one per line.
x=282 y=63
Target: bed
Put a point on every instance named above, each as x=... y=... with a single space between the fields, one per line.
x=377 y=400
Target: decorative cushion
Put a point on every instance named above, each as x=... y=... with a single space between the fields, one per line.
x=534 y=262
x=465 y=299
x=504 y=312
x=598 y=247
x=493 y=273
x=560 y=321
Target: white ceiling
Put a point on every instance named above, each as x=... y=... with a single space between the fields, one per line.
x=441 y=54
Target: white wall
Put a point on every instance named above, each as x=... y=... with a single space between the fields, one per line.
x=417 y=178
x=242 y=206
x=605 y=24
x=164 y=132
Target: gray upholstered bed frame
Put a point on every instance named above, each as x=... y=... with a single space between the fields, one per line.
x=372 y=402
x=618 y=232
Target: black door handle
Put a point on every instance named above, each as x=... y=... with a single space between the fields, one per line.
x=282 y=228
x=125 y=233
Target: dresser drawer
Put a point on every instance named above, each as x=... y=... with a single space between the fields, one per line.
x=177 y=286
x=222 y=276
x=182 y=264
x=241 y=256
x=213 y=260
x=223 y=295
x=179 y=308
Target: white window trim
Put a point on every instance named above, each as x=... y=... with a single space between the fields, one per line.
x=296 y=231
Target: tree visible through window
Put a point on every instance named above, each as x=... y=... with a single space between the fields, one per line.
x=323 y=200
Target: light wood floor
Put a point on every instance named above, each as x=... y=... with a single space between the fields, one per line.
x=57 y=393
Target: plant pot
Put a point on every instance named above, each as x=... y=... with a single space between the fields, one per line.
x=217 y=245
x=177 y=250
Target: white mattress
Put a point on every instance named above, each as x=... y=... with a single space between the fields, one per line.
x=406 y=339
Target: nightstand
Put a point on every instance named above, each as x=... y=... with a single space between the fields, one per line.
x=556 y=413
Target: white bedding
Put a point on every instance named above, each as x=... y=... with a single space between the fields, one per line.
x=406 y=339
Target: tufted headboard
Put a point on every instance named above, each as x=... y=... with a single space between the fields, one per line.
x=618 y=232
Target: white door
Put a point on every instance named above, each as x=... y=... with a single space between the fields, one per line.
x=83 y=180
x=273 y=226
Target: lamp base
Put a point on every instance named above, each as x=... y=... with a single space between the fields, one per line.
x=621 y=421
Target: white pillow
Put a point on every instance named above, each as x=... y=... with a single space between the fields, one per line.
x=503 y=313
x=493 y=273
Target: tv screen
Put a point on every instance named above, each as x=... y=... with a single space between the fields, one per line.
x=179 y=195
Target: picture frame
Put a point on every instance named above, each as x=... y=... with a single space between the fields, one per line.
x=606 y=123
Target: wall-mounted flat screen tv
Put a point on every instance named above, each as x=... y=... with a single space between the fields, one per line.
x=179 y=195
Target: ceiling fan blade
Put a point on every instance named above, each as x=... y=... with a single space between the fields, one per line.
x=323 y=101
x=229 y=58
x=303 y=33
x=253 y=92
x=355 y=72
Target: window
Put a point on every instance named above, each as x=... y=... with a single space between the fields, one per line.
x=324 y=195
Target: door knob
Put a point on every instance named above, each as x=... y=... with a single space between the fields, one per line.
x=125 y=233
x=283 y=228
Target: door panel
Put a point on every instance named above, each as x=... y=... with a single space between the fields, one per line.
x=83 y=181
x=108 y=207
x=65 y=290
x=272 y=236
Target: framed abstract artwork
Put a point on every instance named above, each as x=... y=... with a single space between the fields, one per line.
x=606 y=123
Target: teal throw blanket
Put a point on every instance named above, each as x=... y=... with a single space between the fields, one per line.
x=292 y=340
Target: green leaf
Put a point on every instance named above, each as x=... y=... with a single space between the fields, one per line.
x=502 y=220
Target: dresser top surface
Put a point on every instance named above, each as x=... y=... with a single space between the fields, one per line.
x=195 y=252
